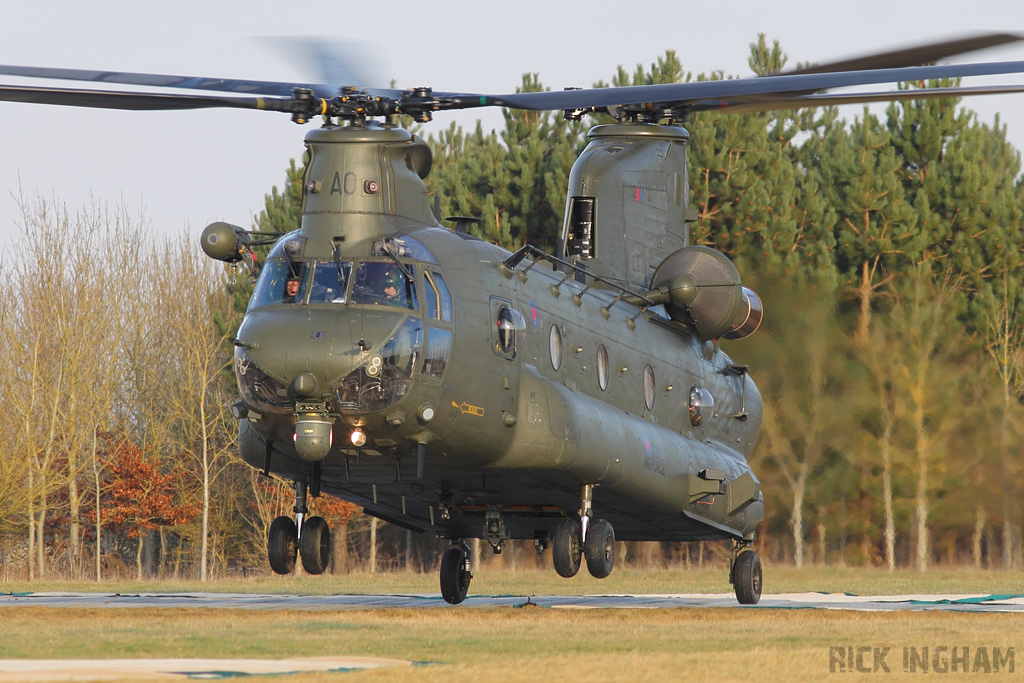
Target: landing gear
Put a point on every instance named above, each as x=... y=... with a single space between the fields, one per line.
x=315 y=545
x=287 y=538
x=592 y=538
x=455 y=574
x=600 y=549
x=566 y=548
x=745 y=573
x=282 y=545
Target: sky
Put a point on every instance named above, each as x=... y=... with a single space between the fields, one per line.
x=183 y=170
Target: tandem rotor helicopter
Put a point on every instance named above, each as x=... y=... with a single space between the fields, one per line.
x=451 y=387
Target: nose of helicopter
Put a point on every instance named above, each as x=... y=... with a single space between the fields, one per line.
x=309 y=352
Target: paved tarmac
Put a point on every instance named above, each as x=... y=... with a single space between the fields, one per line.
x=974 y=602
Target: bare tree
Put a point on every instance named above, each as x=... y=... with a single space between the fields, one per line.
x=193 y=287
x=14 y=463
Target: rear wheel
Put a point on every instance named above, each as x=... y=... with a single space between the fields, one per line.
x=566 y=550
x=600 y=549
x=282 y=545
x=747 y=577
x=455 y=576
x=315 y=545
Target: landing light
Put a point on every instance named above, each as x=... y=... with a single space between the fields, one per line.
x=358 y=438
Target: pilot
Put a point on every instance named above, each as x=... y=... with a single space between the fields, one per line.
x=291 y=289
x=389 y=288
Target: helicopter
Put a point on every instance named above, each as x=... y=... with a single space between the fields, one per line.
x=452 y=387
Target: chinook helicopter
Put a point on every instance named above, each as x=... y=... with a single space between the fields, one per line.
x=449 y=386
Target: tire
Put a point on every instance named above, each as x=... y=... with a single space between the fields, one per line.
x=747 y=578
x=282 y=545
x=315 y=545
x=455 y=577
x=600 y=549
x=566 y=548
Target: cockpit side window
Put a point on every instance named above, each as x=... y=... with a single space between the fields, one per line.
x=385 y=284
x=281 y=282
x=446 y=298
x=438 y=300
x=330 y=280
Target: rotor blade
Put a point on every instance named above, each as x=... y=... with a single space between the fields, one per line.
x=101 y=99
x=245 y=87
x=828 y=100
x=684 y=94
x=922 y=54
x=272 y=88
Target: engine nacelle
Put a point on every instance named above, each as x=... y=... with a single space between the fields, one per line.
x=701 y=287
x=224 y=242
x=752 y=321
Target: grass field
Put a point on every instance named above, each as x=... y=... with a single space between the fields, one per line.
x=488 y=581
x=533 y=643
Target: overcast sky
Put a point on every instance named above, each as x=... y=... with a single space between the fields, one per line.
x=186 y=169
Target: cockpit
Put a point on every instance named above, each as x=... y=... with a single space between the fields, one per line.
x=385 y=279
x=411 y=336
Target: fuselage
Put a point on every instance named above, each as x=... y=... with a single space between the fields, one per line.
x=478 y=387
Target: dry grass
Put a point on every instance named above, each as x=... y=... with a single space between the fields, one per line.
x=509 y=644
x=531 y=643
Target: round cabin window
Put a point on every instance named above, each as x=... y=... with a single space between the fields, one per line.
x=602 y=367
x=555 y=347
x=649 y=387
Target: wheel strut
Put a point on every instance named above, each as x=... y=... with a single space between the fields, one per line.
x=586 y=507
x=300 y=508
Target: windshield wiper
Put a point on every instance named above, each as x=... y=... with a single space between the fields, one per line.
x=341 y=271
x=394 y=257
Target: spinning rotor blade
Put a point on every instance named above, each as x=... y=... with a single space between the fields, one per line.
x=922 y=54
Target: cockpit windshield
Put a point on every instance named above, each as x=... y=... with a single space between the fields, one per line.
x=330 y=280
x=281 y=282
x=385 y=284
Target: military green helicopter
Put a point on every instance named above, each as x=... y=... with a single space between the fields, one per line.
x=451 y=387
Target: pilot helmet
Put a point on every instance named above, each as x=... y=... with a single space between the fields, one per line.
x=390 y=280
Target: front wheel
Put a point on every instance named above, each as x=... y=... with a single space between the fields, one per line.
x=747 y=577
x=282 y=545
x=315 y=545
x=600 y=549
x=455 y=576
x=566 y=550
